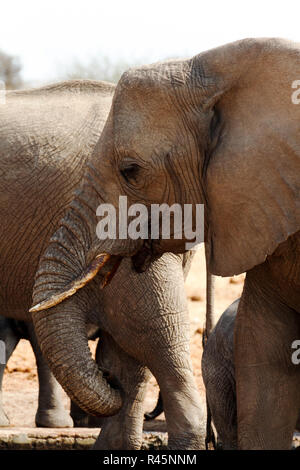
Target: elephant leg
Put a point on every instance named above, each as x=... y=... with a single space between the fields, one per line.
x=168 y=358
x=9 y=338
x=267 y=381
x=51 y=412
x=184 y=411
x=124 y=430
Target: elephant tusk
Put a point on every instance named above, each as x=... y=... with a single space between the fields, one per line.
x=108 y=265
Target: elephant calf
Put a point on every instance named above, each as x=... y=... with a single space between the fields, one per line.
x=219 y=378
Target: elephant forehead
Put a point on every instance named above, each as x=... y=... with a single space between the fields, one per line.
x=144 y=127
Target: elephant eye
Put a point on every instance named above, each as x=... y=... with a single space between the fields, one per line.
x=130 y=172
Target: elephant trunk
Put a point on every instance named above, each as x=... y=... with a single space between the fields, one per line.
x=62 y=335
x=68 y=264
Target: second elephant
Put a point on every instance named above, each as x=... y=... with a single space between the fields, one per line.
x=219 y=378
x=47 y=138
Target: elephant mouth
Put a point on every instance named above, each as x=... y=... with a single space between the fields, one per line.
x=153 y=249
x=143 y=258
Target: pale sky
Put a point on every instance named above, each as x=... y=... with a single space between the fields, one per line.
x=46 y=34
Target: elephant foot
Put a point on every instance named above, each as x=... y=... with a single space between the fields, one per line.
x=53 y=418
x=4 y=421
x=117 y=440
x=187 y=441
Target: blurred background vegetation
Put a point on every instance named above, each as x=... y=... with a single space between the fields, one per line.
x=10 y=71
x=97 y=68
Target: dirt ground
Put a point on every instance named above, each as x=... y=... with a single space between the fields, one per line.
x=20 y=386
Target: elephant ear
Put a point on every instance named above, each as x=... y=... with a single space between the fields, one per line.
x=252 y=177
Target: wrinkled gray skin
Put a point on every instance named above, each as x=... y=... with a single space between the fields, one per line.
x=50 y=412
x=47 y=137
x=219 y=378
x=219 y=129
x=209 y=324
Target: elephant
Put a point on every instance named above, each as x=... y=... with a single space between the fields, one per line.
x=218 y=374
x=47 y=138
x=221 y=130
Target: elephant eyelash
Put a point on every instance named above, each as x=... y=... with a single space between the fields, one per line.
x=130 y=172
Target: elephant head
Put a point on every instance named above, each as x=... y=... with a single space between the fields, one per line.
x=219 y=129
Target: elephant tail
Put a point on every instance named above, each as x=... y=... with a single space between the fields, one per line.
x=209 y=324
x=159 y=408
x=209 y=321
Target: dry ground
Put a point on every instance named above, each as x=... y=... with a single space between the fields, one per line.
x=20 y=388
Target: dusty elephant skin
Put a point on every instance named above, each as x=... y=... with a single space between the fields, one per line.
x=219 y=129
x=219 y=378
x=43 y=147
x=48 y=137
